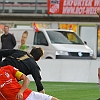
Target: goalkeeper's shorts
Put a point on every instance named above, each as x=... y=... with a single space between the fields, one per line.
x=38 y=96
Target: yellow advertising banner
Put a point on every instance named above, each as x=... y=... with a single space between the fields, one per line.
x=69 y=27
x=98 y=41
x=42 y=25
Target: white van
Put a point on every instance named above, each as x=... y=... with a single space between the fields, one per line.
x=57 y=43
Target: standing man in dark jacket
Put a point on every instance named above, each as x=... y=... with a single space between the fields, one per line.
x=25 y=62
x=7 y=40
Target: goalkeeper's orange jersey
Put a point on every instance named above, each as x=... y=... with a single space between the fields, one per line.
x=9 y=85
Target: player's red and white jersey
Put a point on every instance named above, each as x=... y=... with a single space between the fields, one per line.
x=9 y=85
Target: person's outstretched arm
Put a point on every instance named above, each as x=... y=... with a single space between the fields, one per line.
x=6 y=52
x=25 y=84
x=37 y=77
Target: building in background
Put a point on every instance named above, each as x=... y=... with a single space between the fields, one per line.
x=79 y=15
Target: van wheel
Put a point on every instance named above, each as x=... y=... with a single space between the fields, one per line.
x=48 y=58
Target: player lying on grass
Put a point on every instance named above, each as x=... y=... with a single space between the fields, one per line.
x=25 y=62
x=11 y=89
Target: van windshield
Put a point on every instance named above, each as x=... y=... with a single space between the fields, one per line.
x=64 y=37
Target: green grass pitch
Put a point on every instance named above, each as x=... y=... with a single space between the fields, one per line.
x=70 y=90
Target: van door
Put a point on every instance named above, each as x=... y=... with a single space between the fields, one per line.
x=40 y=40
x=89 y=34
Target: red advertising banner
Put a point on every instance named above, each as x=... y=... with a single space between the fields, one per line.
x=85 y=7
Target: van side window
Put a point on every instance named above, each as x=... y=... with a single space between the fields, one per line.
x=39 y=39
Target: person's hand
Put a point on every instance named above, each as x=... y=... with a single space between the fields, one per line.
x=42 y=91
x=19 y=96
x=98 y=11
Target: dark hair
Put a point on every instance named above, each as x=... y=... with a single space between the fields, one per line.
x=6 y=26
x=37 y=53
